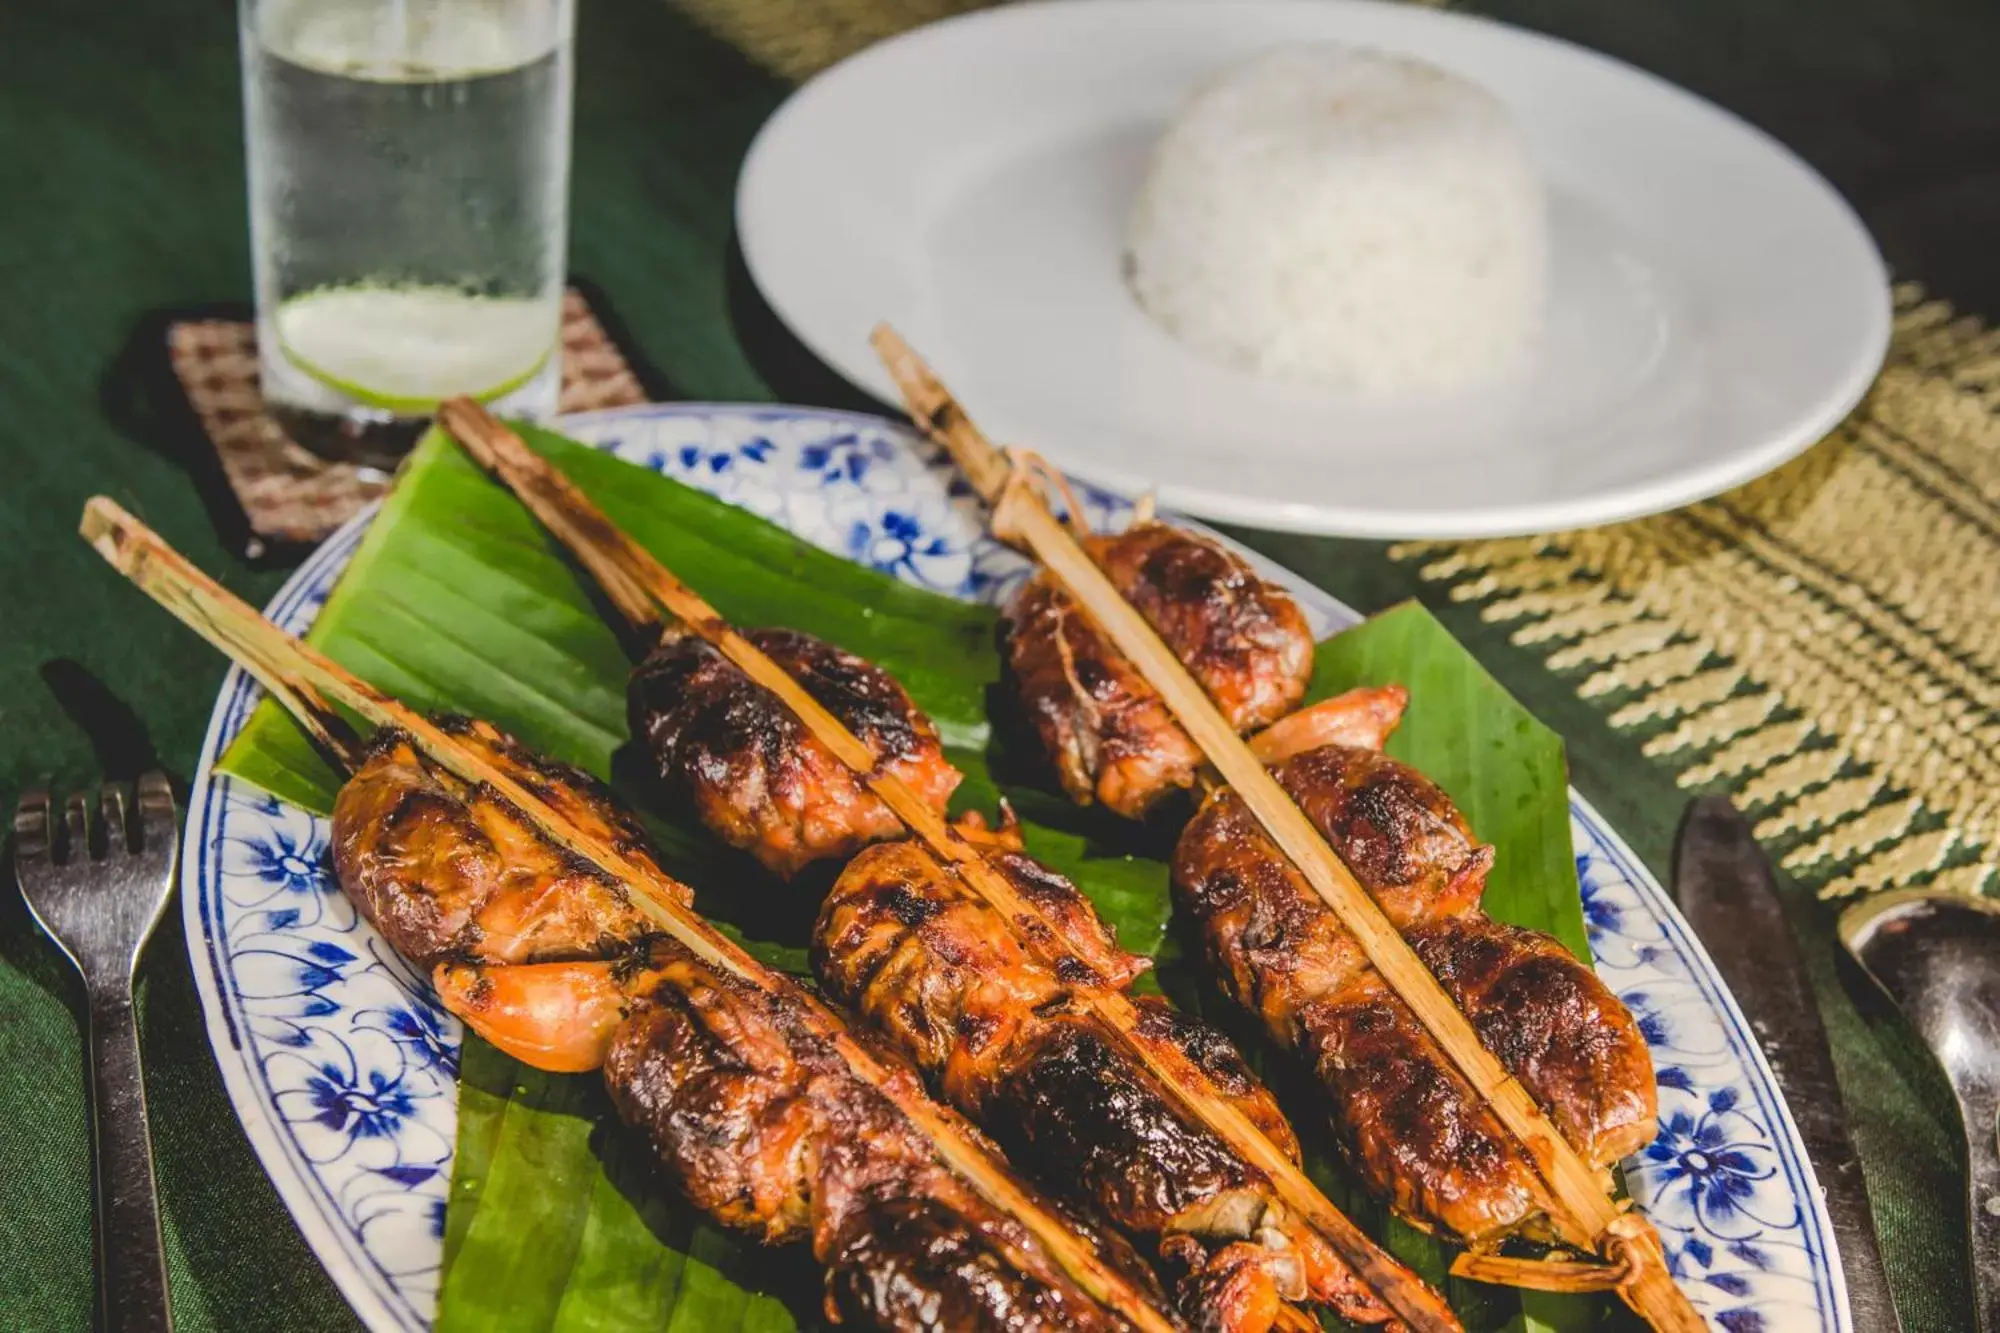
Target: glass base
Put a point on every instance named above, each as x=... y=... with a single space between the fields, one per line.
x=371 y=441
x=343 y=431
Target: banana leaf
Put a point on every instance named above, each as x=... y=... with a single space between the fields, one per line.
x=456 y=600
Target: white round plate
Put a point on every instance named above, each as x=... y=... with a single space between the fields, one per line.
x=1714 y=306
x=344 y=1069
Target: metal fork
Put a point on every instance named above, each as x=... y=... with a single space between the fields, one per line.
x=100 y=904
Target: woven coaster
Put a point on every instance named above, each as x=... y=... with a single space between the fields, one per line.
x=291 y=496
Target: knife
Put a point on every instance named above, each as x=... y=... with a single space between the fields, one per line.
x=1728 y=891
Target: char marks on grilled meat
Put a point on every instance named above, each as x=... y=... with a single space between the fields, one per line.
x=1007 y=1038
x=920 y=1264
x=753 y=1115
x=1110 y=735
x=1092 y=953
x=1108 y=732
x=1243 y=638
x=756 y=776
x=1554 y=1025
x=763 y=1126
x=447 y=871
x=1411 y=1124
x=1415 y=1130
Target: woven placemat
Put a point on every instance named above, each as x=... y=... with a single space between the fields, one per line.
x=291 y=496
x=1824 y=641
x=796 y=39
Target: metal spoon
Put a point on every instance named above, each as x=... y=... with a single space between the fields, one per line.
x=1937 y=954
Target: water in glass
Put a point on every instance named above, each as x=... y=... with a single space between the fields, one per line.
x=409 y=177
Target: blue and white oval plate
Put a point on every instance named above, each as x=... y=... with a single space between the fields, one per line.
x=343 y=1068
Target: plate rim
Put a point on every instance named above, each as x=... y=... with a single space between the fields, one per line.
x=1799 y=1164
x=373 y=1301
x=1633 y=500
x=368 y=1291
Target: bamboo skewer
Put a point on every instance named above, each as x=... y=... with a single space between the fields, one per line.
x=635 y=581
x=1560 y=1275
x=1587 y=1216
x=304 y=681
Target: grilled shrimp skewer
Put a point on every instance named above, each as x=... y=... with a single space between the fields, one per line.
x=722 y=720
x=1418 y=1133
x=551 y=928
x=1588 y=1068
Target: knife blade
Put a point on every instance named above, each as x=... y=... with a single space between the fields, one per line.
x=1728 y=892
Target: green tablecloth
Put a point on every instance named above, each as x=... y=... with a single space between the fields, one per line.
x=119 y=129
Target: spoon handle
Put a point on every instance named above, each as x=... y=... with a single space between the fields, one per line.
x=1982 y=1150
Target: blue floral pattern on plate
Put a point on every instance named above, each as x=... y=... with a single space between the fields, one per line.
x=342 y=1066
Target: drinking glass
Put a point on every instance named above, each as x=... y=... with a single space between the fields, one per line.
x=409 y=184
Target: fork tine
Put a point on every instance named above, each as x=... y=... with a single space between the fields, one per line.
x=31 y=828
x=76 y=819
x=156 y=811
x=111 y=805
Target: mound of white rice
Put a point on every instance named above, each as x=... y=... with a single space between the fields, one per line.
x=1335 y=214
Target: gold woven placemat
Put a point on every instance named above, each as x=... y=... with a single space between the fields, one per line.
x=1825 y=641
x=798 y=38
x=292 y=496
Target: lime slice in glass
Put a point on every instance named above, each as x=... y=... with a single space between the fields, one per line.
x=405 y=348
